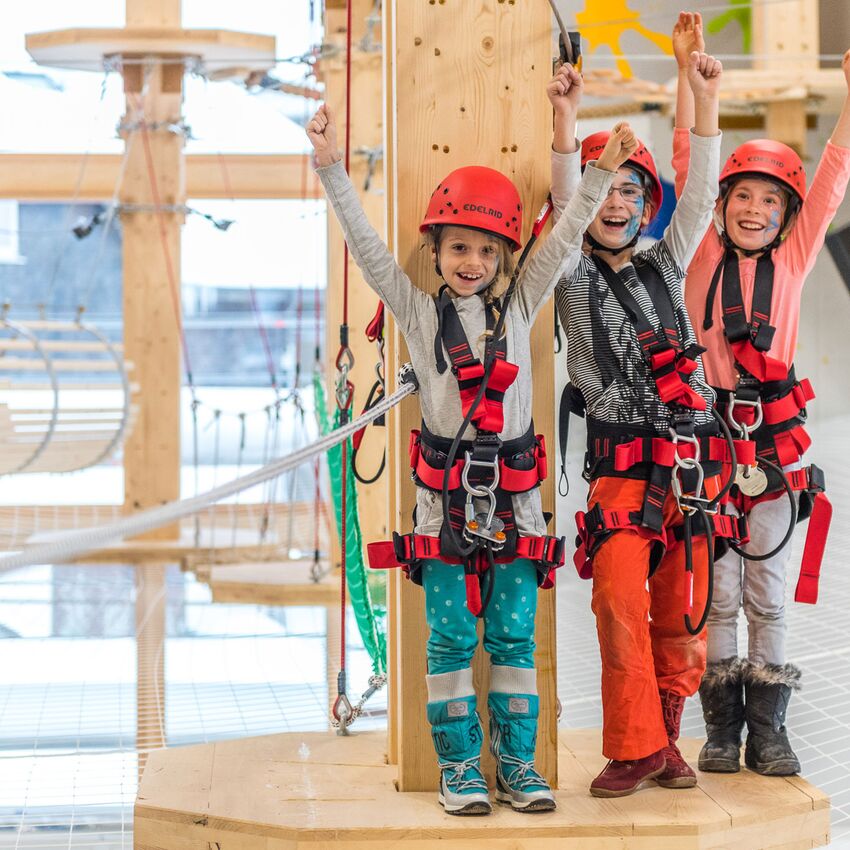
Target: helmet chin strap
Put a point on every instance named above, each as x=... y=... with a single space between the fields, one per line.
x=596 y=245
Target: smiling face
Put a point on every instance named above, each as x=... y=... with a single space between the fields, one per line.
x=468 y=259
x=755 y=213
x=624 y=212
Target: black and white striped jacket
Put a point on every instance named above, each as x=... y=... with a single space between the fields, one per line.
x=604 y=358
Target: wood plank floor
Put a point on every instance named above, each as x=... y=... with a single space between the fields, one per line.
x=319 y=791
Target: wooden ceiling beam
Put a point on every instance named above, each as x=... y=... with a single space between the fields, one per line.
x=54 y=177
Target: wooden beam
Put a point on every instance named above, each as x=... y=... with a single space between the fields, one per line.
x=151 y=253
x=465 y=84
x=779 y=31
x=54 y=177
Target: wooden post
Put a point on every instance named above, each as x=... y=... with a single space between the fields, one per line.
x=779 y=31
x=152 y=317
x=464 y=85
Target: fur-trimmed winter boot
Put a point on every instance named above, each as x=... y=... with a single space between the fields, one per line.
x=722 y=694
x=677 y=772
x=457 y=734
x=767 y=690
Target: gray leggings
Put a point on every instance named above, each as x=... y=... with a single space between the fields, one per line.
x=758 y=586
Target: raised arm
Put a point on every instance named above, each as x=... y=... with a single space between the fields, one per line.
x=380 y=270
x=561 y=252
x=687 y=38
x=807 y=235
x=564 y=92
x=692 y=215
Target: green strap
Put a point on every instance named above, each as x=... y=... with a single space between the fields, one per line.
x=371 y=622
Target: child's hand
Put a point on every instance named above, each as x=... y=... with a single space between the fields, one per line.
x=564 y=90
x=622 y=143
x=845 y=66
x=704 y=73
x=321 y=130
x=687 y=37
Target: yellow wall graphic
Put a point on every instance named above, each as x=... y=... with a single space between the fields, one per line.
x=603 y=22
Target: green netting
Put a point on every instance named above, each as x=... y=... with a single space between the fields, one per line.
x=362 y=585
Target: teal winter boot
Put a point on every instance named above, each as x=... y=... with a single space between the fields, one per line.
x=457 y=735
x=513 y=735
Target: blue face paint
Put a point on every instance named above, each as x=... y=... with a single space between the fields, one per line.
x=772 y=228
x=633 y=226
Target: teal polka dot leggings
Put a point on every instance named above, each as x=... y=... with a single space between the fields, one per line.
x=508 y=619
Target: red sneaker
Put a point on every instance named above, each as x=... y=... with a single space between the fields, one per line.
x=621 y=778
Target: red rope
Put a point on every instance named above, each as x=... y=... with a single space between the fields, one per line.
x=344 y=533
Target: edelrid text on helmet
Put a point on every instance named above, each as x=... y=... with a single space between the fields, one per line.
x=767 y=159
x=478 y=197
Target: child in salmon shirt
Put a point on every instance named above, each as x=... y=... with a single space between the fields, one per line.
x=742 y=292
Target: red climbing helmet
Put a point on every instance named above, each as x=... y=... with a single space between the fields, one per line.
x=479 y=197
x=766 y=158
x=641 y=159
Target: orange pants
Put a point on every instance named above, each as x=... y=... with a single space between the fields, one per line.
x=643 y=641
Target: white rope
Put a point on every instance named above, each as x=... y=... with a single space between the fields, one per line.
x=86 y=540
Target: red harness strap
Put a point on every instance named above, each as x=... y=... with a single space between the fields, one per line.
x=807 y=583
x=662 y=451
x=757 y=363
x=671 y=370
x=810 y=480
x=790 y=405
x=596 y=525
x=489 y=415
x=405 y=549
x=511 y=480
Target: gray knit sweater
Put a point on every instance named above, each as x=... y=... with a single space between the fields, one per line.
x=416 y=315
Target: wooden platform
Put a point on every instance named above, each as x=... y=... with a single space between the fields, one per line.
x=319 y=791
x=272 y=583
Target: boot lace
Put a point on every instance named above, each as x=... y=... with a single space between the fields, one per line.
x=671 y=711
x=520 y=775
x=454 y=772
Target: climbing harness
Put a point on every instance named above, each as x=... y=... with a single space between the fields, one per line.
x=679 y=462
x=474 y=535
x=768 y=409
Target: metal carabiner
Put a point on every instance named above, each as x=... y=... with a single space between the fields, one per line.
x=683 y=499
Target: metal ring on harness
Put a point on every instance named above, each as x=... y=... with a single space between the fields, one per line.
x=782 y=543
x=741 y=427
